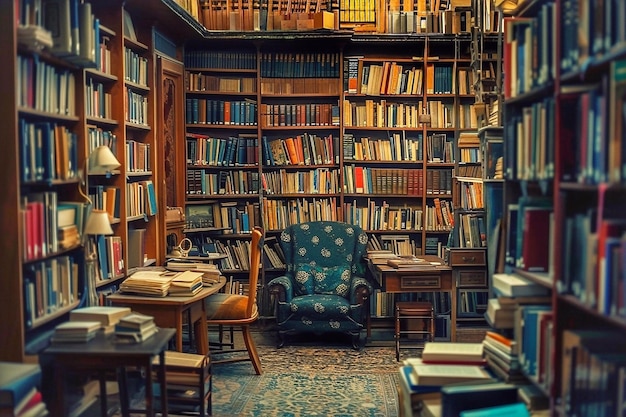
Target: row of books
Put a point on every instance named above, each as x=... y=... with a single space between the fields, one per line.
x=278 y=213
x=43 y=87
x=299 y=65
x=97 y=136
x=49 y=151
x=396 y=181
x=48 y=286
x=383 y=304
x=533 y=156
x=371 y=113
x=106 y=198
x=315 y=181
x=236 y=218
x=225 y=59
x=472 y=230
x=136 y=110
x=97 y=100
x=394 y=147
x=141 y=199
x=529 y=42
x=199 y=81
x=472 y=303
x=315 y=114
x=446 y=21
x=373 y=216
x=220 y=112
x=589 y=30
x=110 y=256
x=232 y=151
x=471 y=194
x=304 y=149
x=138 y=156
x=288 y=86
x=207 y=182
x=135 y=67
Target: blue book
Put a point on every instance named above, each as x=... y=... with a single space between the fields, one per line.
x=16 y=381
x=530 y=336
x=103 y=260
x=152 y=203
x=509 y=410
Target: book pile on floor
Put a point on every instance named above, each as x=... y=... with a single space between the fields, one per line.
x=135 y=328
x=445 y=363
x=186 y=283
x=19 y=390
x=75 y=331
x=502 y=357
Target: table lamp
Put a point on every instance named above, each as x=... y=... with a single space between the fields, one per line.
x=101 y=160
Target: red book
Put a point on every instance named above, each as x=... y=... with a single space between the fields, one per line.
x=535 y=243
x=358 y=180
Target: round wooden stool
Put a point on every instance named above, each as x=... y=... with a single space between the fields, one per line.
x=411 y=311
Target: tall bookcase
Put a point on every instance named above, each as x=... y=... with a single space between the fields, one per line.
x=287 y=130
x=77 y=100
x=564 y=151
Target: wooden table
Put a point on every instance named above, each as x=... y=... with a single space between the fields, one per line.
x=170 y=311
x=428 y=278
x=103 y=354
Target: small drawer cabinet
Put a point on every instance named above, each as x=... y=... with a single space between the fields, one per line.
x=469 y=272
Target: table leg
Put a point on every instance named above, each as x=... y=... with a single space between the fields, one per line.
x=163 y=382
x=123 y=384
x=103 y=394
x=150 y=392
x=58 y=406
x=179 y=332
x=200 y=328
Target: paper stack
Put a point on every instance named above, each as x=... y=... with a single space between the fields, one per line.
x=135 y=328
x=75 y=331
x=148 y=282
x=210 y=272
x=186 y=283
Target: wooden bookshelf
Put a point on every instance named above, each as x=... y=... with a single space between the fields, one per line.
x=575 y=172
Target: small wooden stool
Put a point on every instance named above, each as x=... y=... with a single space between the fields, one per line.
x=190 y=374
x=414 y=310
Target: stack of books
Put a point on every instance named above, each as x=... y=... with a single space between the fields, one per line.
x=155 y=282
x=108 y=316
x=186 y=283
x=75 y=331
x=210 y=272
x=135 y=328
x=19 y=390
x=444 y=363
x=501 y=354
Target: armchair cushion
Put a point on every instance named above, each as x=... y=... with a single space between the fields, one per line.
x=333 y=280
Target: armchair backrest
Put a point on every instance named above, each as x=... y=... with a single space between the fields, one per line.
x=322 y=256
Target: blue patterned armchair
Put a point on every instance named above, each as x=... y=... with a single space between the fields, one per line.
x=323 y=289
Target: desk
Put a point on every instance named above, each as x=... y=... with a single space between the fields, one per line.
x=102 y=354
x=431 y=278
x=170 y=311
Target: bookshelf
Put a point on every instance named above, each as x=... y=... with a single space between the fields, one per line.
x=88 y=111
x=571 y=171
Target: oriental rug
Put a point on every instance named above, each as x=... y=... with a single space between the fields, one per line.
x=303 y=381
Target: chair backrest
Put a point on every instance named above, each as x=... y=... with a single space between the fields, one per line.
x=256 y=245
x=330 y=248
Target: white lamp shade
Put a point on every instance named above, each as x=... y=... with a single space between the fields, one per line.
x=98 y=223
x=102 y=159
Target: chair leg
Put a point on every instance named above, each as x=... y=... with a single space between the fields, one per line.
x=356 y=340
x=254 y=356
x=281 y=340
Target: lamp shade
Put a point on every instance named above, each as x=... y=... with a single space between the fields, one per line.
x=98 y=223
x=102 y=159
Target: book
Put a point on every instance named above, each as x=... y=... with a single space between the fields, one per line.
x=460 y=397
x=106 y=315
x=453 y=352
x=123 y=335
x=510 y=410
x=186 y=283
x=513 y=285
x=75 y=331
x=135 y=321
x=17 y=381
x=438 y=375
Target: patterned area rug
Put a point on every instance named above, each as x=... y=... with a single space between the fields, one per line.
x=302 y=381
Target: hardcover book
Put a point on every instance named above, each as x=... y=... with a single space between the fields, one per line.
x=453 y=352
x=437 y=375
x=16 y=381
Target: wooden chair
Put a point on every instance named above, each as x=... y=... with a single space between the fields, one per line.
x=414 y=311
x=234 y=310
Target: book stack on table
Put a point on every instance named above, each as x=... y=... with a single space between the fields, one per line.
x=135 y=328
x=75 y=331
x=154 y=282
x=108 y=316
x=186 y=283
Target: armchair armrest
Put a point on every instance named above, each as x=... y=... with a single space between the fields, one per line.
x=281 y=288
x=360 y=290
